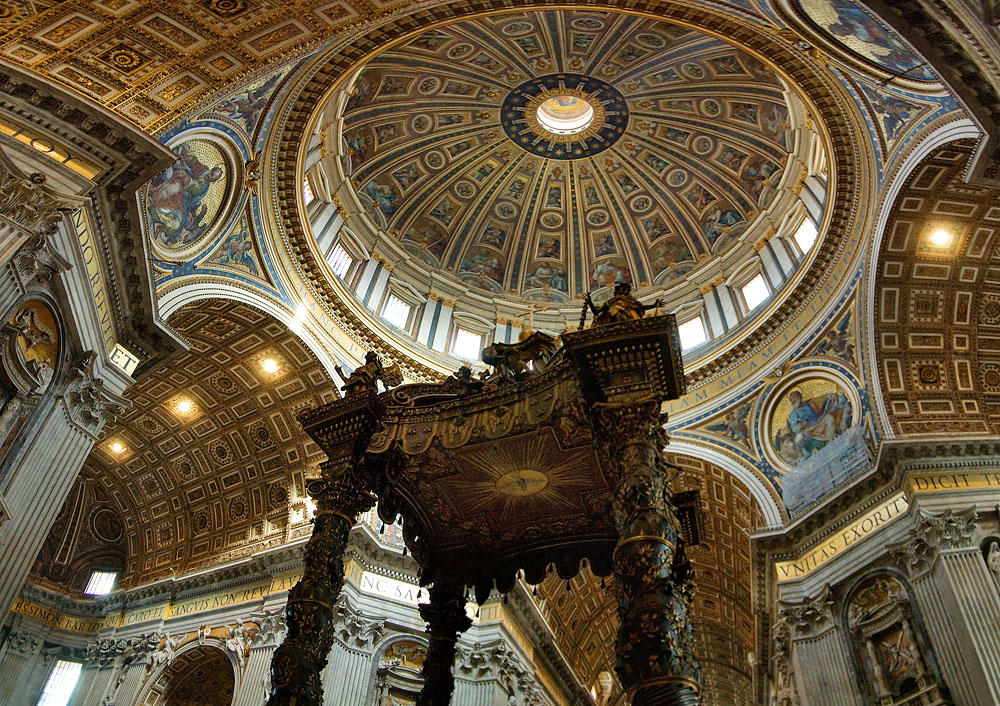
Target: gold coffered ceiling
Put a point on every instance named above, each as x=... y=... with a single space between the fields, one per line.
x=154 y=62
x=215 y=483
x=689 y=141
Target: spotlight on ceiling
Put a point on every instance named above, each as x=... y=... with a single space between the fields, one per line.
x=941 y=238
x=270 y=365
x=184 y=407
x=117 y=447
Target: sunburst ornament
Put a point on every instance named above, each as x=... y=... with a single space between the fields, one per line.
x=525 y=478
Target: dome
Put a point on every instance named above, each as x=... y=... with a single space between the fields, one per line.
x=518 y=161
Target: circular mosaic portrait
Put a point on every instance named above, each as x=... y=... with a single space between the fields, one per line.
x=186 y=200
x=808 y=416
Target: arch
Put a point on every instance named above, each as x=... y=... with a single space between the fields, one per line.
x=190 y=293
x=765 y=496
x=204 y=664
x=869 y=621
x=383 y=677
x=958 y=130
x=232 y=462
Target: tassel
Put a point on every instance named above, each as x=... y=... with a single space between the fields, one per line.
x=602 y=582
x=534 y=591
x=567 y=587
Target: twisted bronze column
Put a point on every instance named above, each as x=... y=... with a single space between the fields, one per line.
x=446 y=619
x=310 y=611
x=655 y=644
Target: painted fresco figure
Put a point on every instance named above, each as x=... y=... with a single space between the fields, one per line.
x=175 y=206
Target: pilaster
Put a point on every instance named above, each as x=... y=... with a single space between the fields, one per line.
x=818 y=658
x=36 y=481
x=958 y=600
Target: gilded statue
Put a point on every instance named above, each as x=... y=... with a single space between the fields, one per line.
x=622 y=306
x=364 y=379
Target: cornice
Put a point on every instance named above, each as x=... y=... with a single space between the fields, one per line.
x=77 y=607
x=129 y=159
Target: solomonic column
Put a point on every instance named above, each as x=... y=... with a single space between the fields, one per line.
x=655 y=642
x=446 y=619
x=343 y=429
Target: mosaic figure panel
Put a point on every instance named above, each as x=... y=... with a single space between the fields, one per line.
x=808 y=417
x=864 y=36
x=185 y=201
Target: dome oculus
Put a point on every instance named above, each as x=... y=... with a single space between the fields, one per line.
x=564 y=116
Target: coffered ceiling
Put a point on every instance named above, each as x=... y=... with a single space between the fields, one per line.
x=585 y=619
x=937 y=302
x=220 y=481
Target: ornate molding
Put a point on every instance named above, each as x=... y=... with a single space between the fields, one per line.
x=808 y=617
x=26 y=201
x=89 y=404
x=23 y=642
x=37 y=260
x=934 y=533
x=271 y=628
x=104 y=651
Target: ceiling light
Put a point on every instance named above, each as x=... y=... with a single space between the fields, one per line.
x=117 y=447
x=270 y=365
x=184 y=407
x=941 y=238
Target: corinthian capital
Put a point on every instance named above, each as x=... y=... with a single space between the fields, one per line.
x=934 y=532
x=89 y=404
x=38 y=260
x=27 y=201
x=809 y=616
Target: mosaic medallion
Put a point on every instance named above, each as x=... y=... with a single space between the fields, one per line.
x=185 y=201
x=564 y=116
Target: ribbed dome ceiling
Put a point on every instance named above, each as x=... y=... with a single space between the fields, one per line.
x=685 y=146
